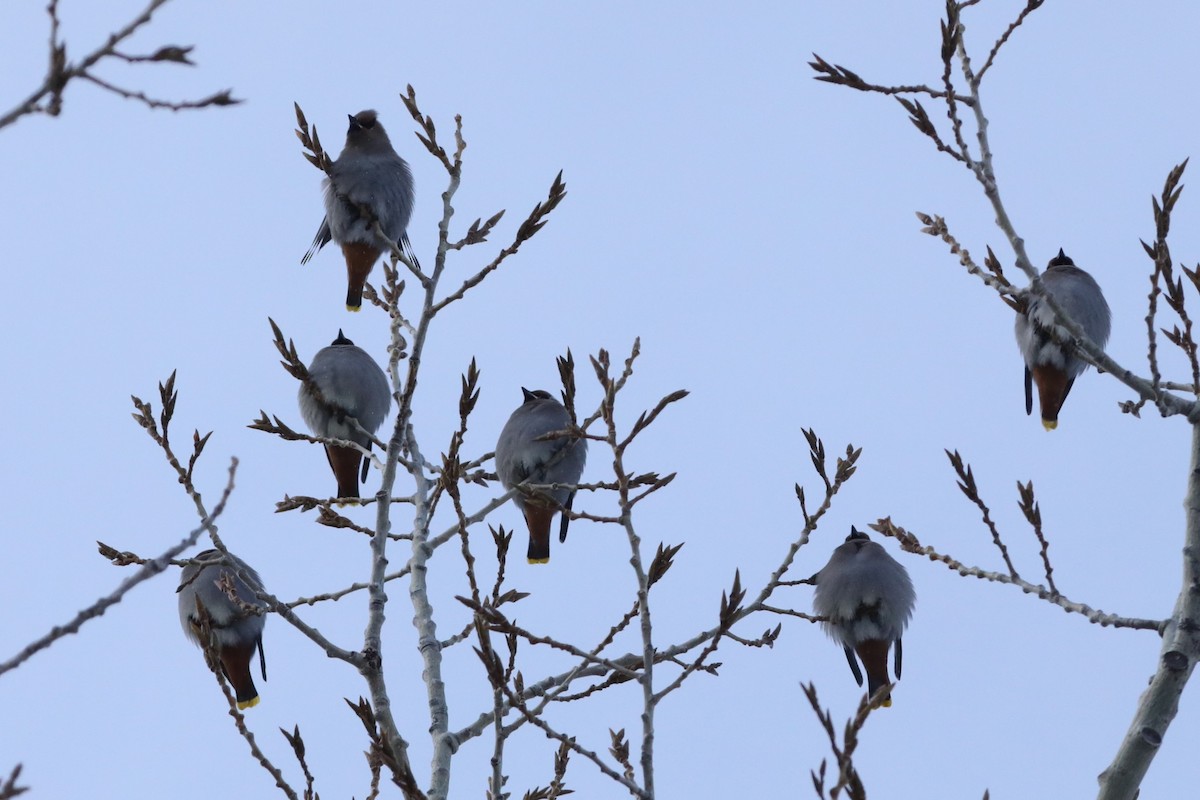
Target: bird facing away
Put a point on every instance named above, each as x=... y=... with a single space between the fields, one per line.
x=868 y=599
x=1049 y=364
x=343 y=383
x=369 y=174
x=520 y=456
x=236 y=632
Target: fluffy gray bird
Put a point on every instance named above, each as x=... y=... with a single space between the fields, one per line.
x=236 y=632
x=1047 y=363
x=368 y=173
x=868 y=599
x=344 y=382
x=521 y=457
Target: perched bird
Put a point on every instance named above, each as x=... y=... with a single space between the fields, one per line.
x=868 y=599
x=520 y=456
x=236 y=632
x=1049 y=364
x=368 y=173
x=344 y=382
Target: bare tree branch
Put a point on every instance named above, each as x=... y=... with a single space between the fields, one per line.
x=48 y=98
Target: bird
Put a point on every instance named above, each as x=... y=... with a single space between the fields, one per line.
x=1050 y=364
x=867 y=600
x=344 y=382
x=370 y=174
x=236 y=632
x=521 y=456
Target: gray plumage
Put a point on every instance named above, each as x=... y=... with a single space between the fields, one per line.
x=1052 y=365
x=520 y=457
x=868 y=599
x=344 y=382
x=237 y=633
x=370 y=173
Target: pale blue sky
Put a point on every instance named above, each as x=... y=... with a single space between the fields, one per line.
x=753 y=226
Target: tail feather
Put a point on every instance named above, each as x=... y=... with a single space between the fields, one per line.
x=873 y=653
x=235 y=663
x=538 y=518
x=1053 y=387
x=853 y=665
x=407 y=247
x=566 y=518
x=1028 y=392
x=366 y=467
x=344 y=462
x=360 y=259
x=322 y=238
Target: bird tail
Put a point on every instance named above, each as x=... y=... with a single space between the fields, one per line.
x=344 y=462
x=538 y=518
x=360 y=258
x=235 y=663
x=1053 y=388
x=873 y=653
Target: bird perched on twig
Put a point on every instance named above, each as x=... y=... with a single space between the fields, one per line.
x=344 y=382
x=521 y=455
x=367 y=175
x=236 y=631
x=1051 y=364
x=867 y=599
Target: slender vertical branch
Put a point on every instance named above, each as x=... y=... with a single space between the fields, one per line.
x=1177 y=658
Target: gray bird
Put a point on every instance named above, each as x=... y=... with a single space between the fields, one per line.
x=1049 y=364
x=868 y=599
x=344 y=382
x=368 y=173
x=520 y=457
x=236 y=632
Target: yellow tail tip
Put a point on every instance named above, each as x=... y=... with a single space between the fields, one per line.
x=1049 y=424
x=545 y=560
x=244 y=704
x=887 y=703
x=353 y=308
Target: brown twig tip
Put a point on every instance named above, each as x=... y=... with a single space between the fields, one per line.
x=9 y=788
x=918 y=116
x=966 y=478
x=469 y=395
x=311 y=142
x=951 y=30
x=1033 y=515
x=619 y=749
x=836 y=74
x=537 y=217
x=198 y=443
x=566 y=375
x=731 y=604
x=167 y=395
x=119 y=558
x=297 y=743
x=287 y=348
x=277 y=427
x=479 y=231
x=664 y=559
x=907 y=541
